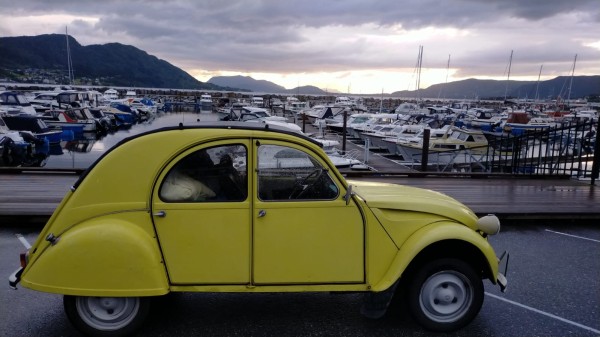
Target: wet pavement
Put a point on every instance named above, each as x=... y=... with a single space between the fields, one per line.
x=552 y=291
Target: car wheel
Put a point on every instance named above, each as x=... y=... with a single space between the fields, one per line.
x=106 y=316
x=445 y=295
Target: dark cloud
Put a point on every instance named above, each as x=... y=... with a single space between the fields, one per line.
x=335 y=35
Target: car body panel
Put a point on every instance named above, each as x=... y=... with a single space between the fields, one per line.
x=428 y=235
x=104 y=256
x=204 y=242
x=307 y=242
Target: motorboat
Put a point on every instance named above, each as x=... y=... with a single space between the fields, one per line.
x=68 y=120
x=111 y=94
x=456 y=146
x=14 y=103
x=32 y=124
x=205 y=100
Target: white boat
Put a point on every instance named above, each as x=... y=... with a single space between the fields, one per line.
x=205 y=100
x=343 y=101
x=294 y=105
x=401 y=133
x=111 y=94
x=14 y=103
x=130 y=94
x=257 y=101
x=456 y=146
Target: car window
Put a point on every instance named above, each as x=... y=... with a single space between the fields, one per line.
x=215 y=174
x=285 y=173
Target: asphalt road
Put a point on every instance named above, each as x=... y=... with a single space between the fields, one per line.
x=554 y=290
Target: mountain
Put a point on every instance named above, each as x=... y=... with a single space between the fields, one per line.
x=262 y=86
x=247 y=83
x=581 y=86
x=111 y=64
x=43 y=59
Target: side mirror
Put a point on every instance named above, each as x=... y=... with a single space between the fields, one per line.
x=348 y=195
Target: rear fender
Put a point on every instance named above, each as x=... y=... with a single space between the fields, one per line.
x=429 y=235
x=100 y=257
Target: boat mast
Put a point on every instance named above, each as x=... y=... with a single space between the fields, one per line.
x=445 y=83
x=381 y=102
x=69 y=62
x=508 y=78
x=537 y=87
x=419 y=65
x=572 y=74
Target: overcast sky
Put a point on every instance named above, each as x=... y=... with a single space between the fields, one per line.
x=357 y=46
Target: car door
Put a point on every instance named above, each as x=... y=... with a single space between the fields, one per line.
x=201 y=212
x=304 y=232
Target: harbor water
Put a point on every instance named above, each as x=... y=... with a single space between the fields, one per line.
x=82 y=152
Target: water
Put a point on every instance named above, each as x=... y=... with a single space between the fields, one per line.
x=82 y=153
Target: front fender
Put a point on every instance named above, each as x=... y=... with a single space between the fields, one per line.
x=100 y=257
x=431 y=234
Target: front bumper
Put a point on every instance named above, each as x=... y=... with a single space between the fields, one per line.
x=501 y=278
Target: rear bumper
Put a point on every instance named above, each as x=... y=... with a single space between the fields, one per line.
x=15 y=278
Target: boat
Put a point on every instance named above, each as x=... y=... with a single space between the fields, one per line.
x=401 y=133
x=259 y=115
x=343 y=101
x=205 y=100
x=456 y=146
x=130 y=94
x=123 y=114
x=44 y=101
x=144 y=107
x=294 y=105
x=257 y=101
x=14 y=103
x=111 y=94
x=36 y=126
x=520 y=121
x=67 y=121
x=20 y=148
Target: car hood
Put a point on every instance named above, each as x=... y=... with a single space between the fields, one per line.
x=405 y=198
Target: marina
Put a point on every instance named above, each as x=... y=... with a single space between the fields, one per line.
x=550 y=176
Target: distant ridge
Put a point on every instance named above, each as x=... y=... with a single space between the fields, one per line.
x=582 y=86
x=262 y=86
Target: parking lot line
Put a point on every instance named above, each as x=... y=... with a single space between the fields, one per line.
x=573 y=236
x=544 y=313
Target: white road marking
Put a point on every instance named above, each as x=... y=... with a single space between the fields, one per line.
x=573 y=236
x=544 y=313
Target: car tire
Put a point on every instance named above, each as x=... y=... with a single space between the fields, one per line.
x=106 y=316
x=445 y=294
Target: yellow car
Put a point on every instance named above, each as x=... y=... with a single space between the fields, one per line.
x=248 y=207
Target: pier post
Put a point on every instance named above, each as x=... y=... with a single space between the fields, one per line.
x=344 y=132
x=425 y=151
x=596 y=163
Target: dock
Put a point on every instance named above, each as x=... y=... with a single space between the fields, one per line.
x=30 y=195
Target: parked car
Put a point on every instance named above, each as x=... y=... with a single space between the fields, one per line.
x=248 y=207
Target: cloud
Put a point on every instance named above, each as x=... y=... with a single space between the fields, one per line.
x=340 y=37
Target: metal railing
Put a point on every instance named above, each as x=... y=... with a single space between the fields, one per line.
x=565 y=150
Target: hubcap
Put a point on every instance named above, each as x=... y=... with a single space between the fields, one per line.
x=446 y=296
x=107 y=313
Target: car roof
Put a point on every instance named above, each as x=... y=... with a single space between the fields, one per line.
x=205 y=125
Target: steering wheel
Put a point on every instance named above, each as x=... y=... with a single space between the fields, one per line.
x=302 y=186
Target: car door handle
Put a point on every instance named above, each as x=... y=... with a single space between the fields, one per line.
x=160 y=214
x=262 y=213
